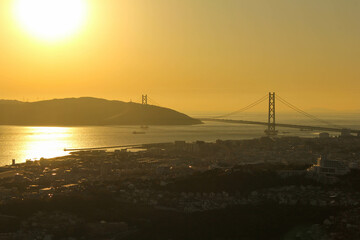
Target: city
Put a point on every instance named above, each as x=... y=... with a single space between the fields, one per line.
x=319 y=175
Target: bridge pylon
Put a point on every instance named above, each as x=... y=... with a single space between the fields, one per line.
x=144 y=99
x=271 y=130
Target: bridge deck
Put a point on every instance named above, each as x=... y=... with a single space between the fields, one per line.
x=329 y=129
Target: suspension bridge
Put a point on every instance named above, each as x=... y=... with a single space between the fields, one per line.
x=272 y=124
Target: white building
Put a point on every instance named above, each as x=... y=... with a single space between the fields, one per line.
x=329 y=167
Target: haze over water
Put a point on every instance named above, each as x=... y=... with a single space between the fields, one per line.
x=21 y=143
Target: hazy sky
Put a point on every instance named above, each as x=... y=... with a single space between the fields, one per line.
x=193 y=55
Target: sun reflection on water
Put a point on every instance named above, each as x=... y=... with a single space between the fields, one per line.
x=46 y=142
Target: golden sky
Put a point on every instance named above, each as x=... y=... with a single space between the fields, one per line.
x=192 y=55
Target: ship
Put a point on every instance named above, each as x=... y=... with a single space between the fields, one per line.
x=138 y=132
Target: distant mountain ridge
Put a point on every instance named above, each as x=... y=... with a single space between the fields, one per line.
x=88 y=111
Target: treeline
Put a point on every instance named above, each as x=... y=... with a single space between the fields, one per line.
x=243 y=179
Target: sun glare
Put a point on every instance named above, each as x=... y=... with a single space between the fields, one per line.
x=51 y=19
x=46 y=142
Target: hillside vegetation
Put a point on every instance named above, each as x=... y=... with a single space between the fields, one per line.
x=88 y=111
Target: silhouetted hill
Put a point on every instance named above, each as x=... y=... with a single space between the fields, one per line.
x=88 y=111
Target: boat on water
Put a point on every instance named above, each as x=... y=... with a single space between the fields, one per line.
x=306 y=129
x=137 y=132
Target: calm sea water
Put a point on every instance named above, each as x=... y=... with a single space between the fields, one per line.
x=23 y=143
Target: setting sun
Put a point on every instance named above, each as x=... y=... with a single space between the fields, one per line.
x=50 y=19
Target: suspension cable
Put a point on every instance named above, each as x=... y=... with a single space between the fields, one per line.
x=286 y=103
x=153 y=101
x=257 y=102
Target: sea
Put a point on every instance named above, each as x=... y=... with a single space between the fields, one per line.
x=23 y=142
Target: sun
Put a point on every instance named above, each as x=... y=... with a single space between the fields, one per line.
x=51 y=20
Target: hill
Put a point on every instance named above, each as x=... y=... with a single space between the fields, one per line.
x=88 y=111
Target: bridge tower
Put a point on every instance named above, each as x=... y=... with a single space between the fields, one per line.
x=144 y=99
x=271 y=131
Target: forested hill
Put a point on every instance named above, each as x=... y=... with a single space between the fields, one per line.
x=88 y=111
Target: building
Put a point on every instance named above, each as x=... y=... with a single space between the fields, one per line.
x=345 y=132
x=328 y=167
x=324 y=135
